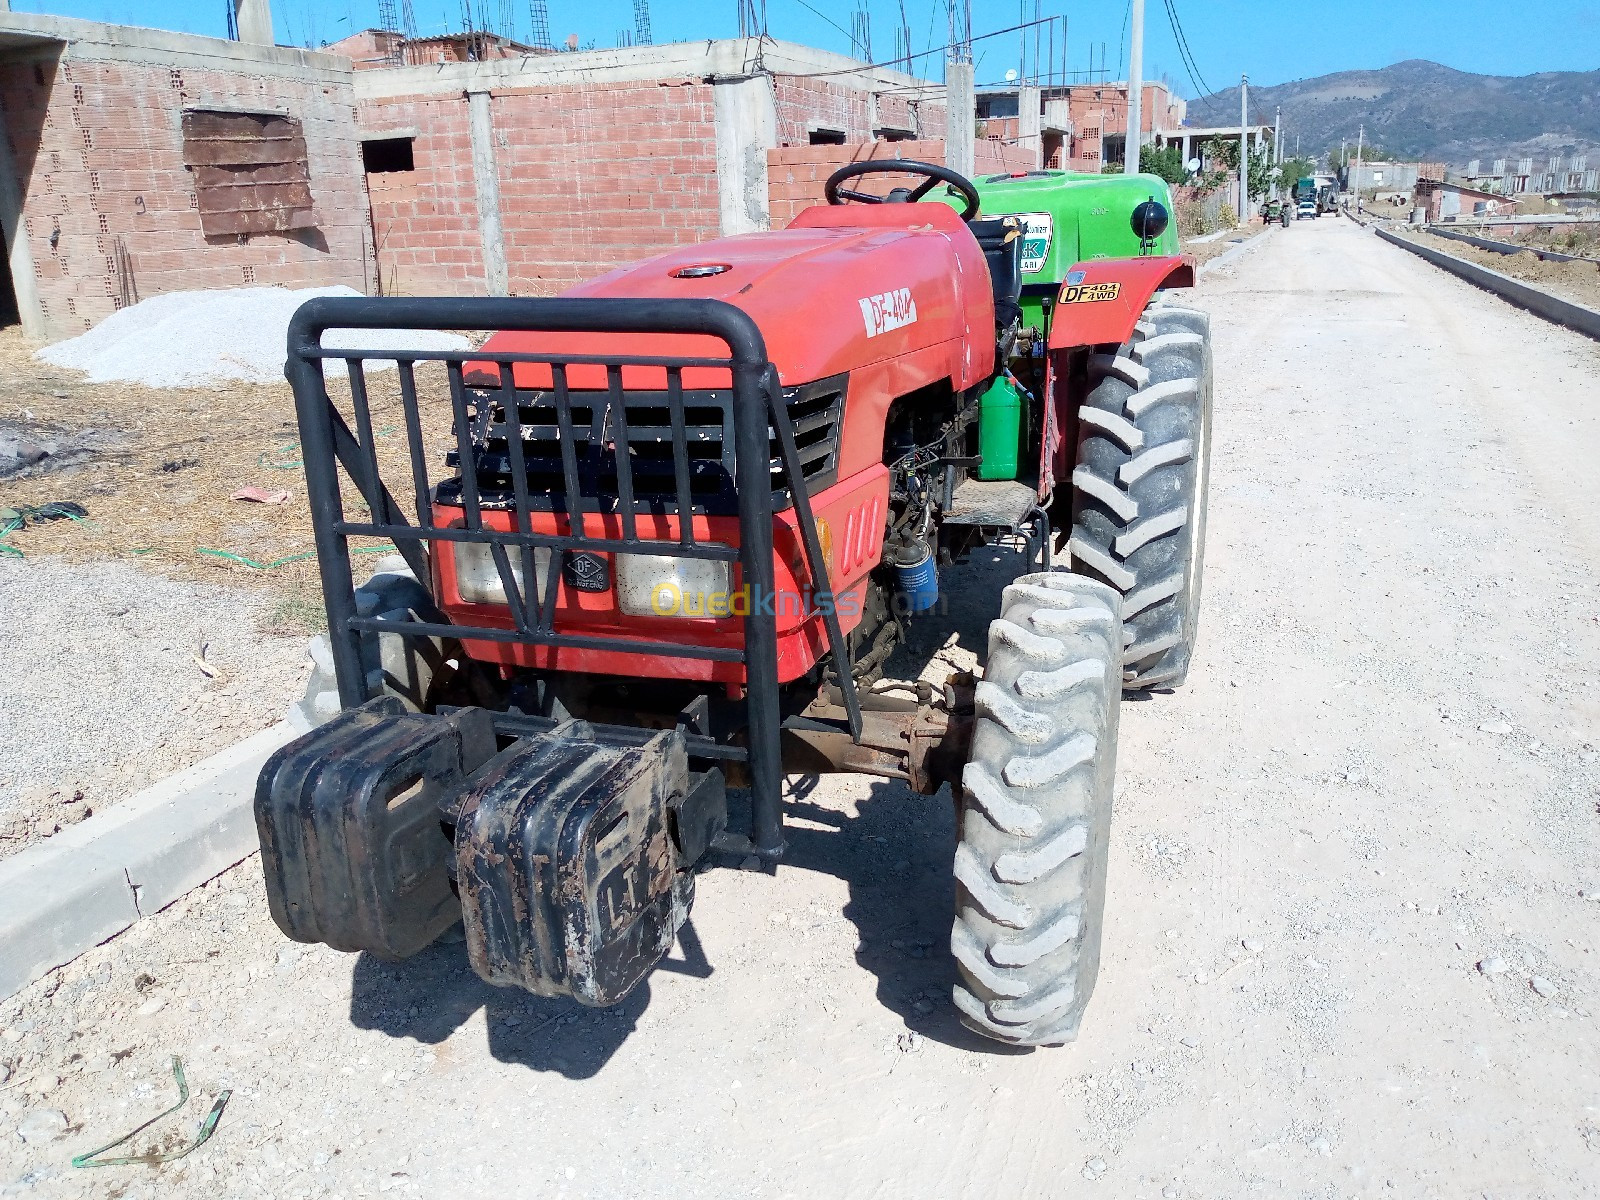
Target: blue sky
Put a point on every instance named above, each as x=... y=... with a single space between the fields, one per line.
x=1273 y=40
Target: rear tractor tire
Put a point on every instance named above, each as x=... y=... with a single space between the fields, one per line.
x=405 y=667
x=1139 y=487
x=1035 y=811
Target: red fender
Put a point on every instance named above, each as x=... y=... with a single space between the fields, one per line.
x=1101 y=300
x=1098 y=305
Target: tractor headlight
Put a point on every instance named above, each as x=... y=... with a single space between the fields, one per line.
x=1149 y=220
x=478 y=580
x=662 y=585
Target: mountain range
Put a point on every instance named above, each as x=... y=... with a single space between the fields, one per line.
x=1422 y=111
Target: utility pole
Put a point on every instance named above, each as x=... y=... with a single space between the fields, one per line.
x=960 y=98
x=1130 y=154
x=253 y=19
x=1277 y=138
x=1244 y=150
x=1360 y=138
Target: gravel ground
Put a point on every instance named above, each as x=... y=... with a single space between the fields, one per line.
x=105 y=692
x=1351 y=902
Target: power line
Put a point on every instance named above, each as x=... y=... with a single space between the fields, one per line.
x=828 y=19
x=1122 y=44
x=1189 y=65
x=910 y=58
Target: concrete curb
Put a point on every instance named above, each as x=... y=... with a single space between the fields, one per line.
x=91 y=881
x=1228 y=256
x=1539 y=302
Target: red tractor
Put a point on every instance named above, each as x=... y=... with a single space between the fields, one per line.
x=686 y=513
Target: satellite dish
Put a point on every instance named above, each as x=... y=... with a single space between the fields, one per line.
x=1193 y=164
x=1010 y=76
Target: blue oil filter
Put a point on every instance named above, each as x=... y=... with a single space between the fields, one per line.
x=917 y=575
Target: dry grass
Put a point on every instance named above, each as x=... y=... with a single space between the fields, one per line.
x=161 y=494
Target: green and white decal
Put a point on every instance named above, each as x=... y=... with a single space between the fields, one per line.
x=1036 y=230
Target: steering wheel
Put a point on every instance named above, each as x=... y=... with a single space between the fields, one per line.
x=900 y=166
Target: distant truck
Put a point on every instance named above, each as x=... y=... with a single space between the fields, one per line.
x=1318 y=191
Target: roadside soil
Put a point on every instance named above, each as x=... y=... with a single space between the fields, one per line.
x=1576 y=281
x=1568 y=239
x=156 y=467
x=1351 y=904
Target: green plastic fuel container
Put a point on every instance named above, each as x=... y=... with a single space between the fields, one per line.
x=999 y=430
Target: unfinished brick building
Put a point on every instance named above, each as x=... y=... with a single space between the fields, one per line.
x=137 y=162
x=527 y=176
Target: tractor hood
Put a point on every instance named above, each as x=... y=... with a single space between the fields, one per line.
x=840 y=289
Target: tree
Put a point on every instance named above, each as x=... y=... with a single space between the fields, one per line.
x=1369 y=153
x=1222 y=164
x=1295 y=169
x=1220 y=154
x=1165 y=161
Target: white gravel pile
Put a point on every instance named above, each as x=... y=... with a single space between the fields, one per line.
x=194 y=339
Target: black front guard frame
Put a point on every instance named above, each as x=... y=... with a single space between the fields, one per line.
x=328 y=442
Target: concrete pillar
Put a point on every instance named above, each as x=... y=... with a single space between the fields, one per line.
x=961 y=119
x=486 y=179
x=1133 y=144
x=1030 y=132
x=16 y=241
x=1186 y=152
x=254 y=18
x=744 y=115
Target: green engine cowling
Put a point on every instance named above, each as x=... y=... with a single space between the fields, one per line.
x=1070 y=217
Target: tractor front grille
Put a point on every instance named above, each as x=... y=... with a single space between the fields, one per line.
x=643 y=422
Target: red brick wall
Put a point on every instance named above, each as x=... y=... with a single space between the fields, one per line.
x=796 y=174
x=591 y=177
x=804 y=104
x=99 y=149
x=992 y=157
x=905 y=111
x=425 y=221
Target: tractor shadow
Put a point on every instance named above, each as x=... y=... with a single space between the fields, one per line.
x=895 y=854
x=430 y=996
x=895 y=857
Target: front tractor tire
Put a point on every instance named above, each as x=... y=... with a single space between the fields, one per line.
x=1035 y=812
x=1139 y=487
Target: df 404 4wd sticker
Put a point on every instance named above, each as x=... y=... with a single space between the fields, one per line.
x=1089 y=293
x=888 y=310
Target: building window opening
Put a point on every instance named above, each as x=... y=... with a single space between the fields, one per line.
x=385 y=156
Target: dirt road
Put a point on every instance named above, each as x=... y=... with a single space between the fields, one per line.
x=1382 y=774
